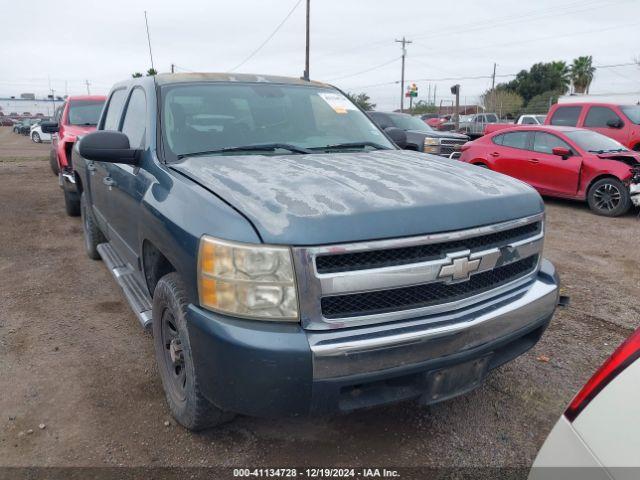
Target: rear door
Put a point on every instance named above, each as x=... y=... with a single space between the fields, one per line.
x=512 y=156
x=128 y=182
x=97 y=171
x=597 y=118
x=552 y=174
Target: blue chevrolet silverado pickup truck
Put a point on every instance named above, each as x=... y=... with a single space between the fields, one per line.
x=291 y=260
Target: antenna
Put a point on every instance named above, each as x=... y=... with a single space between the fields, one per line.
x=148 y=38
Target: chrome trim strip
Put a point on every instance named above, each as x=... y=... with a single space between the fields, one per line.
x=424 y=272
x=423 y=239
x=358 y=352
x=312 y=286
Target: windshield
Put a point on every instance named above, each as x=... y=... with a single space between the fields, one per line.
x=287 y=119
x=541 y=119
x=85 y=112
x=594 y=142
x=407 y=122
x=632 y=112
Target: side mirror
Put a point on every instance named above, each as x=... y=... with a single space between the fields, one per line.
x=398 y=136
x=49 y=127
x=614 y=123
x=562 y=152
x=108 y=146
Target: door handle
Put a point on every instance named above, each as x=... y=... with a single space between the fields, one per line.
x=534 y=160
x=108 y=181
x=494 y=154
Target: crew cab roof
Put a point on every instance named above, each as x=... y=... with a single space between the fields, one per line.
x=171 y=78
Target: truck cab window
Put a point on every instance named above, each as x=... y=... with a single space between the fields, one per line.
x=599 y=116
x=114 y=108
x=135 y=119
x=566 y=116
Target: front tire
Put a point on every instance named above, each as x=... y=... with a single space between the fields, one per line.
x=92 y=234
x=609 y=197
x=175 y=362
x=36 y=137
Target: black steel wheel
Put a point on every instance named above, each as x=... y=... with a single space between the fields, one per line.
x=173 y=357
x=609 y=197
x=178 y=372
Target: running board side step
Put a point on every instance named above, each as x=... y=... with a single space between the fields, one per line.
x=138 y=298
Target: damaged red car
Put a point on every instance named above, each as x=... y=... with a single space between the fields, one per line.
x=563 y=162
x=76 y=117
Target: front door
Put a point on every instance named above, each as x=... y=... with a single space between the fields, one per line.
x=597 y=118
x=128 y=182
x=553 y=174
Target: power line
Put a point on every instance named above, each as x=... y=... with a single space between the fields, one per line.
x=360 y=72
x=252 y=54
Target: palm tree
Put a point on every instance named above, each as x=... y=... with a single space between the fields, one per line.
x=563 y=72
x=582 y=72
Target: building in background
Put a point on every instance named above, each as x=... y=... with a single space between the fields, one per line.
x=27 y=105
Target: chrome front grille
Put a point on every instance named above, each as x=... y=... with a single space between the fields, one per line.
x=387 y=280
x=450 y=145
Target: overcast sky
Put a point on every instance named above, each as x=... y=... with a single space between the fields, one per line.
x=104 y=41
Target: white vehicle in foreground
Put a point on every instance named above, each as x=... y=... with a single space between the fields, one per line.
x=598 y=436
x=37 y=135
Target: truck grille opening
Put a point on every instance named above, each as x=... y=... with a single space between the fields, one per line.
x=417 y=296
x=346 y=262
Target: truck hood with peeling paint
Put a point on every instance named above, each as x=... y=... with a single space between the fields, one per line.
x=347 y=197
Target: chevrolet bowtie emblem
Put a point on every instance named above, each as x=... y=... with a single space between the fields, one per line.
x=459 y=269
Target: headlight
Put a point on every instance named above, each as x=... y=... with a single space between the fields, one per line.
x=431 y=145
x=247 y=280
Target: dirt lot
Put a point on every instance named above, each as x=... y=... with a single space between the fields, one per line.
x=74 y=359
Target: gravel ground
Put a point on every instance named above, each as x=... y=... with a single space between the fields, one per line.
x=74 y=360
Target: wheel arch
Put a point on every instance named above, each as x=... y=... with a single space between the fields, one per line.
x=155 y=265
x=600 y=177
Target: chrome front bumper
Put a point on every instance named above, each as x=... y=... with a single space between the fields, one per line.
x=347 y=352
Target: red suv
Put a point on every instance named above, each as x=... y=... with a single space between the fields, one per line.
x=76 y=117
x=563 y=162
x=620 y=122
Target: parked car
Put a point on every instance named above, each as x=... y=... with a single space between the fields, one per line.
x=474 y=125
x=419 y=135
x=290 y=259
x=597 y=437
x=620 y=122
x=438 y=121
x=530 y=119
x=563 y=162
x=76 y=117
x=7 y=121
x=24 y=126
x=36 y=133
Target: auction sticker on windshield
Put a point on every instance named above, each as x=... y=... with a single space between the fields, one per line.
x=339 y=103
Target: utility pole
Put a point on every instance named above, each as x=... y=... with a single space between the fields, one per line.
x=404 y=43
x=173 y=67
x=493 y=77
x=146 y=22
x=434 y=93
x=306 y=54
x=88 y=84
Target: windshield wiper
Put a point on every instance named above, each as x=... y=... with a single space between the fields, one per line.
x=270 y=147
x=339 y=146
